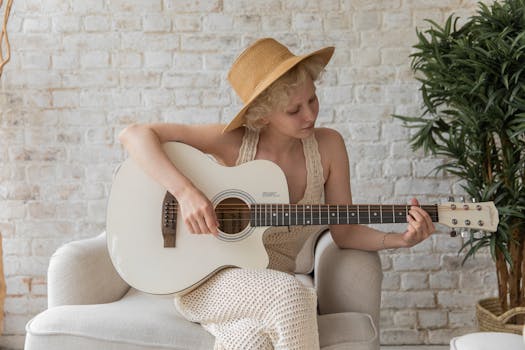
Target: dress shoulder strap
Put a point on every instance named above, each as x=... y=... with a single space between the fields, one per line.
x=314 y=169
x=248 y=147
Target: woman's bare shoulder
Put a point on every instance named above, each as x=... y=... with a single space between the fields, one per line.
x=329 y=140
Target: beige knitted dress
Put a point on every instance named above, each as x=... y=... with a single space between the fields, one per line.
x=249 y=309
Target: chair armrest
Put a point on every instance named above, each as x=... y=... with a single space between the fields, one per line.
x=347 y=280
x=81 y=272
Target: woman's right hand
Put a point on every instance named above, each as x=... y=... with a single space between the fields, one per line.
x=197 y=211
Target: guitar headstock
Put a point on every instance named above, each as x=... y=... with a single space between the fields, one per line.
x=477 y=216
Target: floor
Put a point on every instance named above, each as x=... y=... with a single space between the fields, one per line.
x=416 y=347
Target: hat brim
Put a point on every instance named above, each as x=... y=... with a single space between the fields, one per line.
x=325 y=54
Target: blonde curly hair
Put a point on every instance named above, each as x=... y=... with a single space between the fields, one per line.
x=277 y=95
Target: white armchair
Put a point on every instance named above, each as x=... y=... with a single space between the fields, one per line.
x=91 y=307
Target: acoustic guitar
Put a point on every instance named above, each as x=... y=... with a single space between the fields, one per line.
x=154 y=252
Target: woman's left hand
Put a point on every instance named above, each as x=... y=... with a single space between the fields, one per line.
x=420 y=225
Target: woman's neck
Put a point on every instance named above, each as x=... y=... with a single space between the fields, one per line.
x=276 y=144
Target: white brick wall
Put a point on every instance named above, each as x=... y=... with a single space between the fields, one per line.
x=83 y=70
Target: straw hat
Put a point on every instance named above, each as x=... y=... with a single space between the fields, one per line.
x=259 y=66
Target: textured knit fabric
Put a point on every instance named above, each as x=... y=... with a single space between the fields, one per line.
x=263 y=309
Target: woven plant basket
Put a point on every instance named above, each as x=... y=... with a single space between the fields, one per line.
x=491 y=317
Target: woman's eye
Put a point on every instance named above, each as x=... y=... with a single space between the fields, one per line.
x=293 y=112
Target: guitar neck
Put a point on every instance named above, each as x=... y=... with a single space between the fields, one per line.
x=325 y=214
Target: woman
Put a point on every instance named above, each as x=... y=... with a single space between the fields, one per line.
x=265 y=309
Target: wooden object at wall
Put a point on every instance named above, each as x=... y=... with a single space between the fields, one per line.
x=4 y=39
x=2 y=286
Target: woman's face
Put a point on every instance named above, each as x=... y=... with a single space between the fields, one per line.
x=297 y=118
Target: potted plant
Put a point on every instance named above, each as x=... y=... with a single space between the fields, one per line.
x=473 y=90
x=4 y=40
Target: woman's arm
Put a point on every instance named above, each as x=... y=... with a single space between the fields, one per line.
x=337 y=191
x=144 y=144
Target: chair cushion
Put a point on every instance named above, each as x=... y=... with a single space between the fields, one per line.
x=142 y=321
x=137 y=321
x=347 y=330
x=487 y=341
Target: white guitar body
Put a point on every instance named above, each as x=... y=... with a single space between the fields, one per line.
x=134 y=237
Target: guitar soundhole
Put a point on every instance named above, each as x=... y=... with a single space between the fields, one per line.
x=233 y=215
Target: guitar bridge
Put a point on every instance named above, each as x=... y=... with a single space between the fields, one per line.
x=169 y=220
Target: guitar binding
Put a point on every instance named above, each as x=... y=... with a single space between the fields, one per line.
x=169 y=220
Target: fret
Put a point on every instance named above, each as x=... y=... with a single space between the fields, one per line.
x=299 y=217
x=343 y=214
x=307 y=215
x=375 y=214
x=358 y=216
x=400 y=213
x=393 y=213
x=387 y=215
x=325 y=219
x=314 y=220
x=331 y=215
x=432 y=211
x=286 y=215
x=363 y=214
x=353 y=218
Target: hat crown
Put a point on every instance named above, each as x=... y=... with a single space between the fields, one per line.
x=255 y=64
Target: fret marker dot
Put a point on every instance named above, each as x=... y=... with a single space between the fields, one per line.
x=353 y=214
x=274 y=214
x=307 y=221
x=285 y=214
x=375 y=214
x=333 y=214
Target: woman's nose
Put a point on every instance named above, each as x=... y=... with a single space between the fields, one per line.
x=310 y=114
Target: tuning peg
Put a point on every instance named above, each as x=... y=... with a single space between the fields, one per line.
x=453 y=233
x=480 y=234
x=473 y=200
x=462 y=199
x=451 y=199
x=466 y=233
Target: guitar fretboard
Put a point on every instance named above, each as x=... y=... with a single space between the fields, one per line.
x=325 y=214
